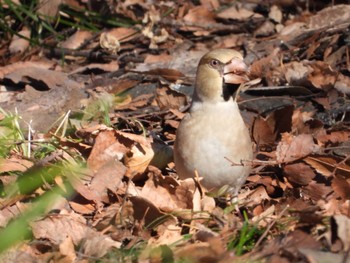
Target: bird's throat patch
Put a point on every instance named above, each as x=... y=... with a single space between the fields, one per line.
x=229 y=90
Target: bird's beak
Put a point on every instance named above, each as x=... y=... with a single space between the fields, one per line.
x=235 y=72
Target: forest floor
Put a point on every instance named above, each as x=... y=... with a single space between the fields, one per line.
x=92 y=93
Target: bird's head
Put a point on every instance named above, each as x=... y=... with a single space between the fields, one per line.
x=219 y=74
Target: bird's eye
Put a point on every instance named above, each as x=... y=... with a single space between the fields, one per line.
x=214 y=63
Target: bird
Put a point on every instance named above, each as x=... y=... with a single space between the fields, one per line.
x=212 y=139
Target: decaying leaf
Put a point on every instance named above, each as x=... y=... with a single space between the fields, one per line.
x=292 y=148
x=341 y=229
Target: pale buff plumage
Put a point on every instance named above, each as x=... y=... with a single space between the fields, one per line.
x=213 y=135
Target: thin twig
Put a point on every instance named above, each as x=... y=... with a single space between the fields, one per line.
x=269 y=228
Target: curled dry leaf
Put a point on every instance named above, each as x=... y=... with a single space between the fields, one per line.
x=108 y=177
x=164 y=57
x=169 y=74
x=151 y=19
x=254 y=197
x=77 y=39
x=135 y=150
x=329 y=165
x=238 y=13
x=299 y=173
x=23 y=65
x=316 y=191
x=333 y=136
x=341 y=187
x=20 y=41
x=66 y=248
x=97 y=246
x=166 y=193
x=139 y=157
x=292 y=148
x=198 y=17
x=170 y=235
x=340 y=229
x=49 y=9
x=342 y=84
x=145 y=211
x=168 y=98
x=199 y=252
x=14 y=164
x=266 y=130
x=305 y=73
x=123 y=34
x=333 y=15
x=40 y=78
x=275 y=14
x=107 y=148
x=109 y=43
x=57 y=228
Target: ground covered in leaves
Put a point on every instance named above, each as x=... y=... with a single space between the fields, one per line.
x=89 y=116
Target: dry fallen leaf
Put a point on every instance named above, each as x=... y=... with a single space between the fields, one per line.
x=292 y=148
x=77 y=39
x=56 y=228
x=14 y=164
x=341 y=229
x=299 y=173
x=20 y=42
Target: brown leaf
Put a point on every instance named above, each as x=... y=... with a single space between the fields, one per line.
x=316 y=191
x=97 y=246
x=254 y=197
x=83 y=209
x=313 y=255
x=22 y=65
x=266 y=130
x=322 y=76
x=210 y=4
x=333 y=15
x=14 y=164
x=333 y=136
x=198 y=252
x=106 y=148
x=170 y=235
x=200 y=15
x=164 y=57
x=292 y=148
x=341 y=187
x=57 y=228
x=340 y=228
x=343 y=84
x=327 y=165
x=168 y=98
x=108 y=177
x=49 y=9
x=145 y=211
x=168 y=197
x=77 y=39
x=167 y=73
x=299 y=173
x=39 y=78
x=96 y=67
x=139 y=157
x=133 y=104
x=123 y=34
x=66 y=248
x=20 y=42
x=238 y=13
x=10 y=212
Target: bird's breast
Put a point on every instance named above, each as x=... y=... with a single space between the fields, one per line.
x=209 y=139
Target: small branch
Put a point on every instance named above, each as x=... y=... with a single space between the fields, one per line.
x=269 y=228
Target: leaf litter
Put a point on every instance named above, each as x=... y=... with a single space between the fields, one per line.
x=294 y=206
